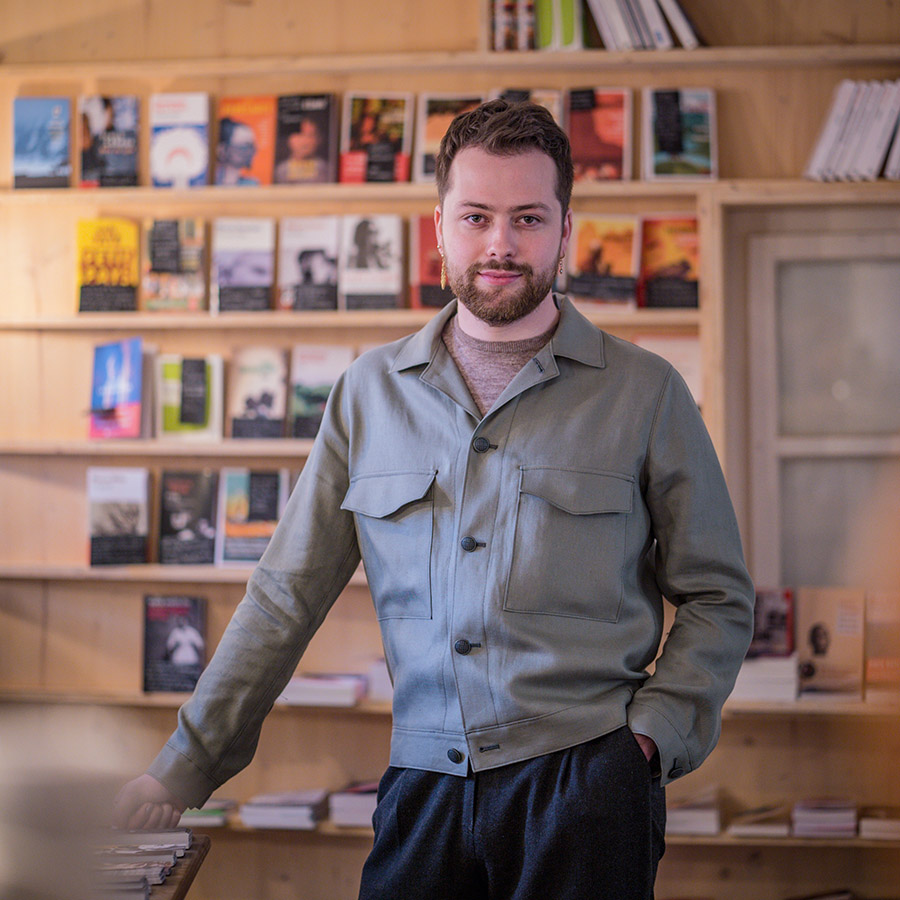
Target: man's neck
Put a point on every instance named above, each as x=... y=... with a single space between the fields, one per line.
x=537 y=322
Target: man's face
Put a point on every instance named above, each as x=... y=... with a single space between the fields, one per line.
x=304 y=142
x=503 y=232
x=242 y=147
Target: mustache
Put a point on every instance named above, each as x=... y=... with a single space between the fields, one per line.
x=500 y=266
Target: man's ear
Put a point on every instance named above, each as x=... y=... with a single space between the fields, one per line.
x=438 y=228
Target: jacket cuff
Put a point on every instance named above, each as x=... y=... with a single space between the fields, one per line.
x=179 y=775
x=674 y=759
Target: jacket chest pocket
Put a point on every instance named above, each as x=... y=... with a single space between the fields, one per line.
x=394 y=513
x=569 y=548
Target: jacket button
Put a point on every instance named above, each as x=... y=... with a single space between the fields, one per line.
x=481 y=445
x=454 y=755
x=468 y=543
x=462 y=646
x=676 y=772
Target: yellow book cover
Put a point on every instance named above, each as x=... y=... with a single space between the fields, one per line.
x=107 y=264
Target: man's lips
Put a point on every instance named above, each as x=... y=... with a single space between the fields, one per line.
x=499 y=276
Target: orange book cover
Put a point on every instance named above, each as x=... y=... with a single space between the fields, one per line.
x=245 y=143
x=670 y=260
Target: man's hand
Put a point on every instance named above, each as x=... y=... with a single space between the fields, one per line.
x=648 y=745
x=146 y=803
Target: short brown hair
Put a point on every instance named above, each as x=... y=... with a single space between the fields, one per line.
x=507 y=128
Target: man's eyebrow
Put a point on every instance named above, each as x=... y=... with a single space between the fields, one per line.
x=473 y=204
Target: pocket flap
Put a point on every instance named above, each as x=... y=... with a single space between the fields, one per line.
x=579 y=492
x=384 y=493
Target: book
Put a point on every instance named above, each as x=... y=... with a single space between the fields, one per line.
x=504 y=25
x=435 y=113
x=188 y=396
x=353 y=805
x=825 y=817
x=660 y=35
x=425 y=289
x=767 y=679
x=302 y=809
x=41 y=142
x=599 y=128
x=867 y=98
x=609 y=18
x=257 y=392
x=242 y=274
x=121 y=391
x=830 y=642
x=873 y=154
x=308 y=251
x=323 y=689
x=118 y=502
x=695 y=814
x=174 y=642
x=679 y=129
x=245 y=141
x=108 y=140
x=187 y=516
x=314 y=370
x=179 y=139
x=107 y=270
x=882 y=647
x=306 y=148
x=879 y=823
x=173 y=271
x=681 y=25
x=370 y=266
x=670 y=261
x=770 y=820
x=215 y=813
x=376 y=137
x=178 y=838
x=550 y=98
x=249 y=506
x=773 y=622
x=842 y=102
x=602 y=262
x=558 y=25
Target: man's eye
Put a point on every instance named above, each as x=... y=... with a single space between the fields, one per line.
x=530 y=220
x=475 y=218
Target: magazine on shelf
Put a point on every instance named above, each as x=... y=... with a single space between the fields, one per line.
x=251 y=501
x=173 y=272
x=603 y=258
x=174 y=641
x=121 y=390
x=108 y=140
x=308 y=252
x=371 y=273
x=118 y=501
x=599 y=128
x=257 y=392
x=245 y=140
x=242 y=275
x=107 y=270
x=42 y=156
x=188 y=396
x=306 y=139
x=376 y=137
x=179 y=139
x=187 y=516
x=435 y=113
x=314 y=370
x=679 y=129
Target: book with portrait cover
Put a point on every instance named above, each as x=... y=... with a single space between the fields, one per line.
x=179 y=139
x=371 y=272
x=376 y=137
x=314 y=370
x=187 y=516
x=174 y=642
x=773 y=623
x=306 y=139
x=242 y=273
x=121 y=390
x=257 y=392
x=41 y=142
x=107 y=270
x=599 y=127
x=679 y=129
x=173 y=265
x=188 y=396
x=603 y=258
x=670 y=261
x=308 y=249
x=425 y=289
x=250 y=504
x=245 y=139
x=108 y=140
x=118 y=501
x=830 y=648
x=435 y=113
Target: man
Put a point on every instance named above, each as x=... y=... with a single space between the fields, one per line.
x=235 y=152
x=523 y=489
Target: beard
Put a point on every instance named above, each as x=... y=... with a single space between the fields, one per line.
x=502 y=305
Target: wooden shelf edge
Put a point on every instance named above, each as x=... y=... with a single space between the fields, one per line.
x=273 y=448
x=738 y=709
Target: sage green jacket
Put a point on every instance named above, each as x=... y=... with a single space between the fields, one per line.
x=517 y=563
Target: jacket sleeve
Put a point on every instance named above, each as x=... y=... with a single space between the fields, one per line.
x=700 y=569
x=308 y=561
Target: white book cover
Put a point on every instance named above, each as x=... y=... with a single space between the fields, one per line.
x=118 y=502
x=615 y=20
x=839 y=165
x=892 y=163
x=371 y=273
x=640 y=34
x=659 y=30
x=257 y=392
x=314 y=370
x=433 y=117
x=179 y=139
x=242 y=275
x=680 y=24
x=308 y=252
x=883 y=128
x=841 y=105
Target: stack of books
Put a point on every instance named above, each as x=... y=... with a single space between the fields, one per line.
x=824 y=817
x=301 y=810
x=697 y=814
x=354 y=805
x=324 y=689
x=880 y=823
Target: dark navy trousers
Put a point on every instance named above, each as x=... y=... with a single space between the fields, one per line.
x=586 y=823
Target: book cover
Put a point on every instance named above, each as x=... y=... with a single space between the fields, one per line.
x=108 y=140
x=174 y=642
x=681 y=25
x=679 y=130
x=179 y=139
x=302 y=809
x=883 y=127
x=308 y=251
x=245 y=143
x=242 y=275
x=550 y=98
x=425 y=289
x=435 y=113
x=830 y=648
x=376 y=137
x=118 y=501
x=257 y=392
x=41 y=142
x=558 y=24
x=306 y=139
x=599 y=127
x=371 y=273
x=250 y=504
x=773 y=623
x=864 y=103
x=120 y=390
x=882 y=647
x=670 y=261
x=187 y=516
x=107 y=271
x=841 y=106
x=173 y=265
x=314 y=370
x=189 y=397
x=602 y=262
x=504 y=25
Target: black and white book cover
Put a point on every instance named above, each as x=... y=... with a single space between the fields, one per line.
x=174 y=641
x=118 y=514
x=308 y=248
x=187 y=516
x=371 y=273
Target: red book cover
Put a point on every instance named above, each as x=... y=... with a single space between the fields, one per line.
x=376 y=137
x=599 y=126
